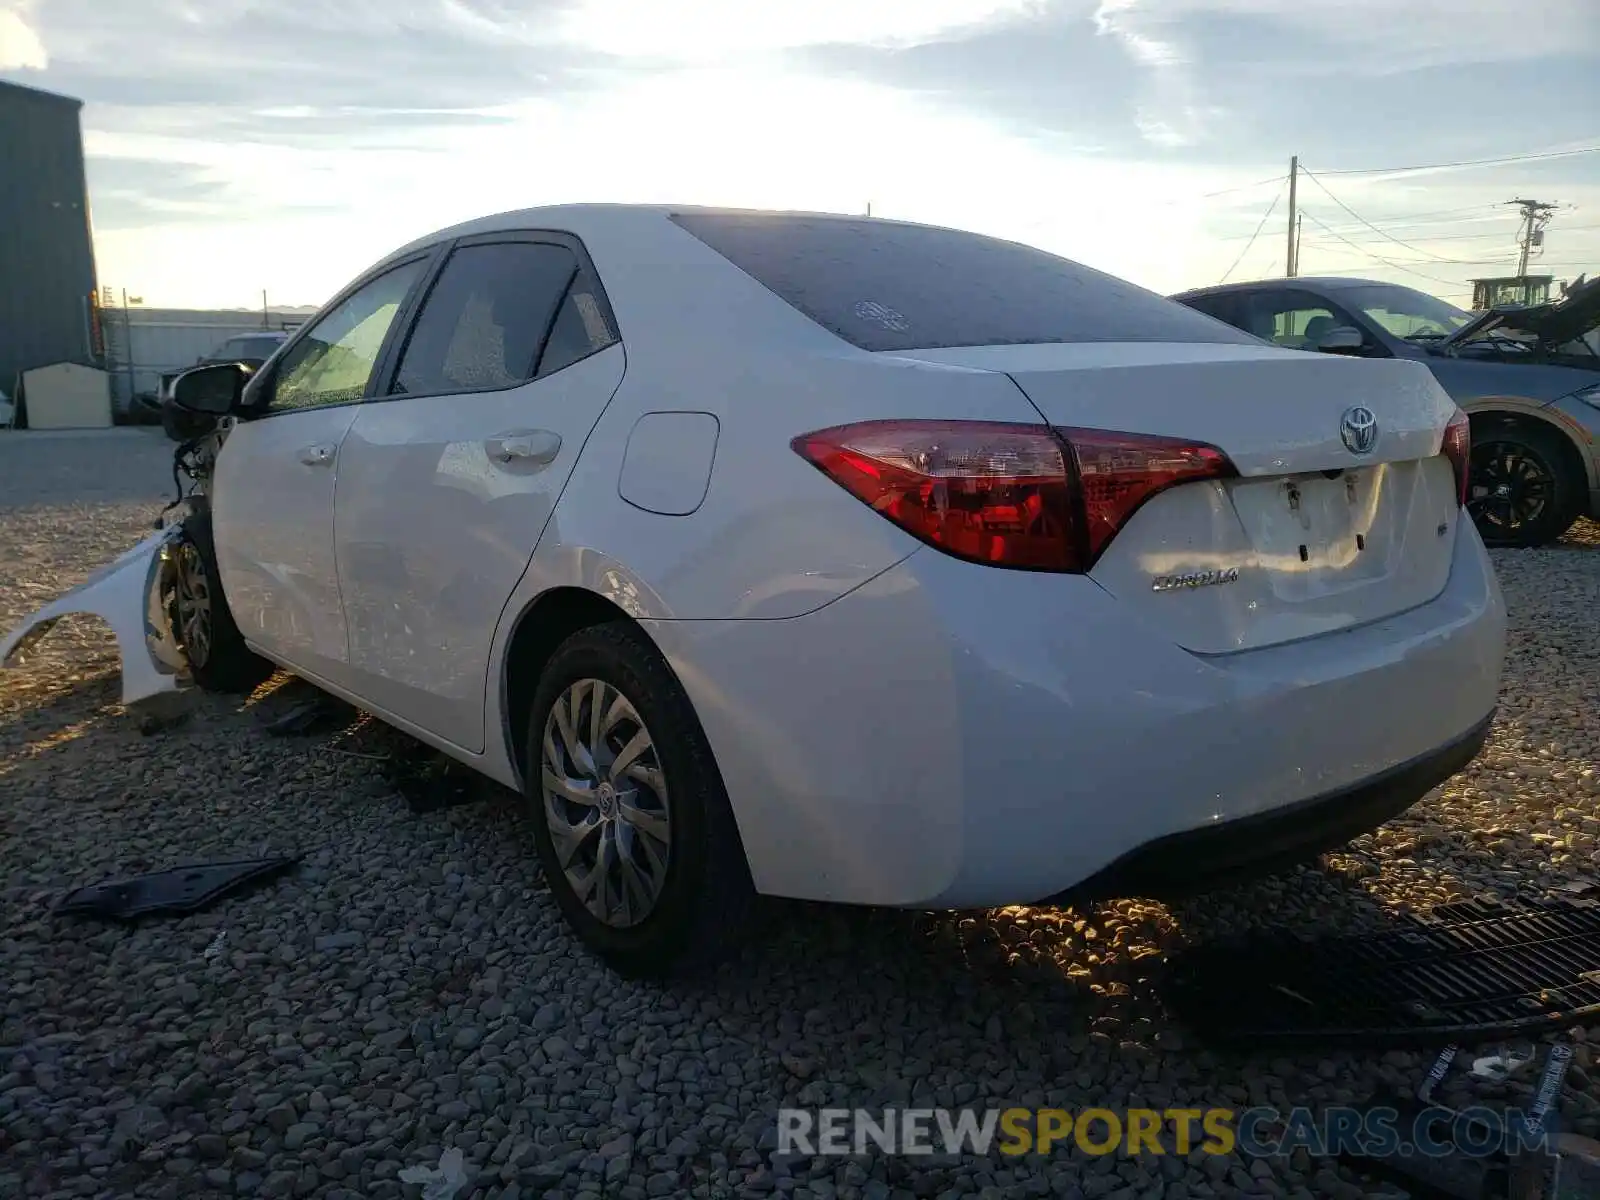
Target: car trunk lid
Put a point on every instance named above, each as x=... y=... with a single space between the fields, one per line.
x=1319 y=531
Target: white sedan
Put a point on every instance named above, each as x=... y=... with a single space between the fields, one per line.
x=840 y=559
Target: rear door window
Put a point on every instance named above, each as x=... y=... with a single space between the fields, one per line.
x=486 y=318
x=582 y=327
x=881 y=285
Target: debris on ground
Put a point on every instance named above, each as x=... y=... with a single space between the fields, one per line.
x=1485 y=1162
x=163 y=712
x=183 y=889
x=442 y=1182
x=1441 y=1067
x=426 y=779
x=1497 y=1068
x=306 y=718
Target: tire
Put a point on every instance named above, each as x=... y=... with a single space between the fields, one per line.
x=1533 y=490
x=704 y=902
x=219 y=661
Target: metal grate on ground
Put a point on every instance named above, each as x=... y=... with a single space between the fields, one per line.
x=1473 y=969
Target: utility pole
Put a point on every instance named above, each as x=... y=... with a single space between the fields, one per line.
x=1299 y=228
x=1291 y=258
x=266 y=313
x=127 y=334
x=1536 y=215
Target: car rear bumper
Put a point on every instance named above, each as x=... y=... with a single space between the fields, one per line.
x=1215 y=855
x=950 y=735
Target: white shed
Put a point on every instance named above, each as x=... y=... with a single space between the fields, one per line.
x=66 y=396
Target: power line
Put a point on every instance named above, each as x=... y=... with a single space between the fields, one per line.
x=1353 y=226
x=1470 y=216
x=1470 y=162
x=1467 y=262
x=1369 y=224
x=1498 y=235
x=1445 y=212
x=1553 y=268
x=1470 y=237
x=1453 y=262
x=1379 y=258
x=1260 y=225
x=1244 y=187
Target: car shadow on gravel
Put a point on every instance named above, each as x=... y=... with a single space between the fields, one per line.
x=1070 y=971
x=34 y=738
x=1096 y=968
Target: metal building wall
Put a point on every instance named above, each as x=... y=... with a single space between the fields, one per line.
x=142 y=344
x=46 y=257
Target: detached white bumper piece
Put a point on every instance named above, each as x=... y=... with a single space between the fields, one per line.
x=129 y=595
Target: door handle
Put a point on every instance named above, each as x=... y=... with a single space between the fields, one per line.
x=317 y=456
x=536 y=447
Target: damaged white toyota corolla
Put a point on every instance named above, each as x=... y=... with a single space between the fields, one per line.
x=831 y=558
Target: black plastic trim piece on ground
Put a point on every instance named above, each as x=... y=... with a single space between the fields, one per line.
x=1250 y=847
x=184 y=889
x=1467 y=971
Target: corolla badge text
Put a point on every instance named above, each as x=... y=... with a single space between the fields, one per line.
x=1194 y=579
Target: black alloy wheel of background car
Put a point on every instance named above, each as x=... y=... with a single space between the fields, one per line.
x=1521 y=490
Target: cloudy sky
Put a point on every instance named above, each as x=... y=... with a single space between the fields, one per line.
x=241 y=145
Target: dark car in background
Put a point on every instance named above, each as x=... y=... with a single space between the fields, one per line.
x=1529 y=379
x=251 y=349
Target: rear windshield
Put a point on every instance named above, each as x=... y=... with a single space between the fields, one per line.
x=885 y=286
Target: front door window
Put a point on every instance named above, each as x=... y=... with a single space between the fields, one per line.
x=334 y=361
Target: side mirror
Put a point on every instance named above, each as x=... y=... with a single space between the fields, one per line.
x=1343 y=340
x=214 y=390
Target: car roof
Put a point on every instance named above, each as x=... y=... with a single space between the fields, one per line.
x=1326 y=283
x=585 y=220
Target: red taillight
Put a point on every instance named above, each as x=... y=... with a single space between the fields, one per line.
x=1457 y=447
x=1117 y=472
x=1007 y=495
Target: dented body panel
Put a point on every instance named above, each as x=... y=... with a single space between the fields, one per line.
x=129 y=594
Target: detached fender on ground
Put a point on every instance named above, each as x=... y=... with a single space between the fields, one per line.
x=129 y=594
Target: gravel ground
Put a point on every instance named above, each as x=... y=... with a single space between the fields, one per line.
x=412 y=987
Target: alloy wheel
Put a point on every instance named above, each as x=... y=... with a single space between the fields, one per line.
x=1510 y=487
x=192 y=602
x=605 y=802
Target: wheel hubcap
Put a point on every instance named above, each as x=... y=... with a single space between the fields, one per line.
x=192 y=603
x=1511 y=488
x=605 y=802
